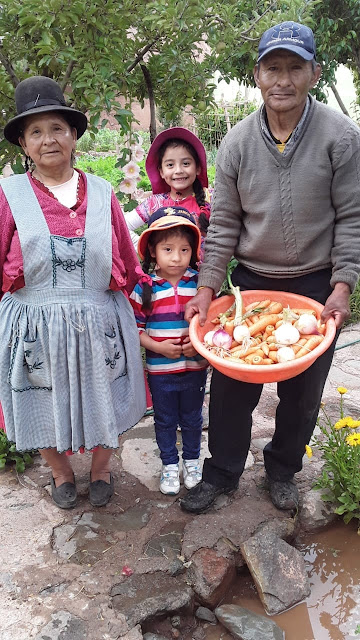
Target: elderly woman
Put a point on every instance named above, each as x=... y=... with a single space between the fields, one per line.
x=71 y=376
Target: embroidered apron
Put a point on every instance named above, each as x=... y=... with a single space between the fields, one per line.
x=71 y=373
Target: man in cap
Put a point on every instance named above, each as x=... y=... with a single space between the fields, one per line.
x=287 y=206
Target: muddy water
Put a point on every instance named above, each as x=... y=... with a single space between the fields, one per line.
x=332 y=611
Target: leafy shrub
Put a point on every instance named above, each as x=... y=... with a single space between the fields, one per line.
x=9 y=455
x=340 y=450
x=212 y=126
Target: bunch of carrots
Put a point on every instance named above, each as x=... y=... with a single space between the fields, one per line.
x=260 y=344
x=264 y=332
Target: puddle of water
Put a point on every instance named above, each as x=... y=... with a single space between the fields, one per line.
x=332 y=611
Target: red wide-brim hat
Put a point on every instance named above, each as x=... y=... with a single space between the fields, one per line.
x=158 y=184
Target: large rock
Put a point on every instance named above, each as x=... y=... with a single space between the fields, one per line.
x=315 y=513
x=278 y=571
x=245 y=625
x=210 y=575
x=141 y=597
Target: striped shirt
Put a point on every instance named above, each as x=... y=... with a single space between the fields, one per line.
x=166 y=320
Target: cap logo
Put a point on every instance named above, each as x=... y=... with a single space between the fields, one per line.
x=285 y=32
x=169 y=211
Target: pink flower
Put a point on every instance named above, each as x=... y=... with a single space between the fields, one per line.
x=138 y=153
x=128 y=185
x=131 y=170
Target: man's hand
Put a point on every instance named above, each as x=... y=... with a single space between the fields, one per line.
x=187 y=348
x=337 y=305
x=199 y=304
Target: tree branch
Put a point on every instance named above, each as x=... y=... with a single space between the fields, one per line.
x=270 y=8
x=141 y=54
x=10 y=70
x=339 y=100
x=150 y=92
x=67 y=75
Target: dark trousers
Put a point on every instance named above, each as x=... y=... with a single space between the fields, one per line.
x=177 y=400
x=232 y=402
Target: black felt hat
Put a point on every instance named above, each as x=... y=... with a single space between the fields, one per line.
x=37 y=95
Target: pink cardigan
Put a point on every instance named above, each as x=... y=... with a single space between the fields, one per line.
x=126 y=269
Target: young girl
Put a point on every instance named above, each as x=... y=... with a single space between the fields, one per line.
x=176 y=373
x=176 y=166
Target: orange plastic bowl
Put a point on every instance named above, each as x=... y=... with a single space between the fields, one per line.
x=260 y=373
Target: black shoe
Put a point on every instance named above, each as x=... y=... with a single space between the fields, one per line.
x=65 y=495
x=283 y=494
x=202 y=496
x=100 y=492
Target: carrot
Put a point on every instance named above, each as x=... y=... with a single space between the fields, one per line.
x=273 y=356
x=299 y=344
x=275 y=307
x=253 y=359
x=266 y=349
x=267 y=361
x=263 y=322
x=248 y=322
x=310 y=344
x=299 y=312
x=251 y=306
x=269 y=330
x=229 y=327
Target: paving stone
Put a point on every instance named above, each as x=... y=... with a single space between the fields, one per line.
x=140 y=597
x=63 y=626
x=245 y=625
x=278 y=571
x=210 y=575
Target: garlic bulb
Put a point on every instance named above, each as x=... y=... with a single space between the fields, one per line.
x=241 y=331
x=286 y=334
x=222 y=339
x=285 y=354
x=307 y=324
x=208 y=338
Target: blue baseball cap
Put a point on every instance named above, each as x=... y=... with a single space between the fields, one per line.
x=291 y=36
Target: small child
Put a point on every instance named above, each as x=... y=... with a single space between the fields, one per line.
x=176 y=372
x=176 y=166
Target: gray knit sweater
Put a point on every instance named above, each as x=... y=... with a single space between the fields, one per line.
x=287 y=216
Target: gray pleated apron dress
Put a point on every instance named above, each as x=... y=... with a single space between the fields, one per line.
x=71 y=374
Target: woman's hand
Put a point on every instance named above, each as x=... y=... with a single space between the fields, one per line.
x=337 y=305
x=199 y=304
x=187 y=348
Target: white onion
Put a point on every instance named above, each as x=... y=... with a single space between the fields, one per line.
x=222 y=339
x=241 y=331
x=307 y=324
x=208 y=337
x=286 y=334
x=285 y=354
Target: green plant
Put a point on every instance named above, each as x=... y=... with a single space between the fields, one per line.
x=212 y=125
x=339 y=445
x=9 y=455
x=355 y=305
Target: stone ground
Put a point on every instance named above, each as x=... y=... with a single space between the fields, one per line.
x=98 y=574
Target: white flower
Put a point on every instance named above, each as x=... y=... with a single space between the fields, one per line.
x=131 y=170
x=138 y=153
x=128 y=185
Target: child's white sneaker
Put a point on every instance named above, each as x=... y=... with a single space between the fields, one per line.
x=192 y=473
x=170 y=482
